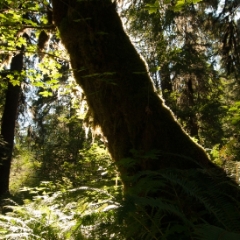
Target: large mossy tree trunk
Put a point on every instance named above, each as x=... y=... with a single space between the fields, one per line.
x=133 y=117
x=8 y=124
x=119 y=90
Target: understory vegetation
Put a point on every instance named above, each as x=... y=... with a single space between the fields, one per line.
x=59 y=211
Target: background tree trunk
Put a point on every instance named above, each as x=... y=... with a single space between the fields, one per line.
x=8 y=123
x=119 y=90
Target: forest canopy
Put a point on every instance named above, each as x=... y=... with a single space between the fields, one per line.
x=89 y=147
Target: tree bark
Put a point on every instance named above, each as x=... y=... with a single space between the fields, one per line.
x=192 y=120
x=119 y=90
x=166 y=83
x=133 y=118
x=8 y=124
x=135 y=121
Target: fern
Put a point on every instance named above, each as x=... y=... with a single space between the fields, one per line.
x=66 y=214
x=166 y=204
x=209 y=232
x=173 y=203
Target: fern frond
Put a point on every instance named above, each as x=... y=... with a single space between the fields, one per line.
x=209 y=232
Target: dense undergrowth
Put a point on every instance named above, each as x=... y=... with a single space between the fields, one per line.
x=59 y=212
x=48 y=213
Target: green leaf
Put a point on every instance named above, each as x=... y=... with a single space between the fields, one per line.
x=38 y=84
x=182 y=3
x=15 y=82
x=154 y=69
x=55 y=87
x=152 y=8
x=46 y=94
x=27 y=21
x=179 y=5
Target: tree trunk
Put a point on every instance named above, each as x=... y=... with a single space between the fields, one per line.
x=134 y=119
x=8 y=124
x=119 y=90
x=192 y=120
x=139 y=128
x=166 y=83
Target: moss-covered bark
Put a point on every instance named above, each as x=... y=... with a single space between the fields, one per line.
x=132 y=116
x=119 y=90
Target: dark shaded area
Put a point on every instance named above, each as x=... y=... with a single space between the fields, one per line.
x=8 y=124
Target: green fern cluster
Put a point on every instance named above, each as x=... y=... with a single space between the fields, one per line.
x=182 y=204
x=65 y=214
x=167 y=204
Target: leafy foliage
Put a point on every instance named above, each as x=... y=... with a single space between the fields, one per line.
x=23 y=170
x=169 y=215
x=59 y=214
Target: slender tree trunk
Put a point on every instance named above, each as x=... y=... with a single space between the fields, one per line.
x=8 y=124
x=192 y=121
x=119 y=90
x=166 y=83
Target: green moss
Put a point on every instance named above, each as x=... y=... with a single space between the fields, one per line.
x=130 y=113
